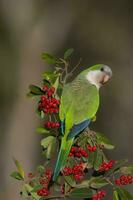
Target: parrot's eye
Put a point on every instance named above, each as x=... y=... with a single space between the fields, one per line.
x=102 y=69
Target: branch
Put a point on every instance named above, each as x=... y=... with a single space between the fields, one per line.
x=54 y=197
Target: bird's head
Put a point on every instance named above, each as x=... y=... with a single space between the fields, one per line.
x=98 y=74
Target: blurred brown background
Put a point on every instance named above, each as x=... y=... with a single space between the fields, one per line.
x=100 y=32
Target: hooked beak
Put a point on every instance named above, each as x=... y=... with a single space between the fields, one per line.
x=106 y=77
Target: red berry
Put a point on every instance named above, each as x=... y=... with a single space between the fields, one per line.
x=43 y=182
x=78 y=155
x=45 y=88
x=48 y=174
x=43 y=98
x=84 y=153
x=117 y=182
x=47 y=124
x=94 y=148
x=58 y=102
x=43 y=192
x=63 y=189
x=89 y=147
x=49 y=93
x=67 y=171
x=95 y=198
x=52 y=89
x=57 y=124
x=101 y=193
x=77 y=177
x=71 y=154
x=46 y=111
x=130 y=178
x=73 y=149
x=30 y=175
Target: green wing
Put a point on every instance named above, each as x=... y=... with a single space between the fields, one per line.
x=81 y=98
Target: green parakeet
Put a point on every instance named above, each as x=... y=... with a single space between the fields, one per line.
x=79 y=104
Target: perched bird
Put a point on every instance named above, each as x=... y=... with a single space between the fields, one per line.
x=79 y=104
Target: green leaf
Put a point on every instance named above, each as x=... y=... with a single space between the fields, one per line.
x=98 y=182
x=16 y=175
x=83 y=184
x=51 y=148
x=70 y=180
x=91 y=159
x=102 y=140
x=30 y=94
x=50 y=59
x=42 y=130
x=67 y=188
x=127 y=194
x=81 y=193
x=46 y=141
x=127 y=170
x=50 y=76
x=98 y=160
x=124 y=194
x=41 y=114
x=68 y=53
x=49 y=143
x=40 y=169
x=115 y=195
x=35 y=90
x=29 y=189
x=19 y=167
x=56 y=83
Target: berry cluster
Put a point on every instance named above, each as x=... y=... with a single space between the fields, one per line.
x=50 y=124
x=49 y=104
x=77 y=171
x=44 y=182
x=124 y=180
x=91 y=148
x=78 y=152
x=99 y=195
x=105 y=166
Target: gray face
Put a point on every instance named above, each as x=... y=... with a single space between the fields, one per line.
x=105 y=69
x=99 y=77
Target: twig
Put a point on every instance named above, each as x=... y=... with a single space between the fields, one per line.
x=71 y=72
x=109 y=182
x=76 y=66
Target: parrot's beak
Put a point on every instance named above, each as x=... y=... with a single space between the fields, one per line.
x=106 y=77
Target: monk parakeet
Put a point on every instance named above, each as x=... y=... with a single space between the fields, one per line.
x=79 y=104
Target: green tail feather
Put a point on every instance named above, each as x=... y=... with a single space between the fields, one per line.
x=62 y=156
